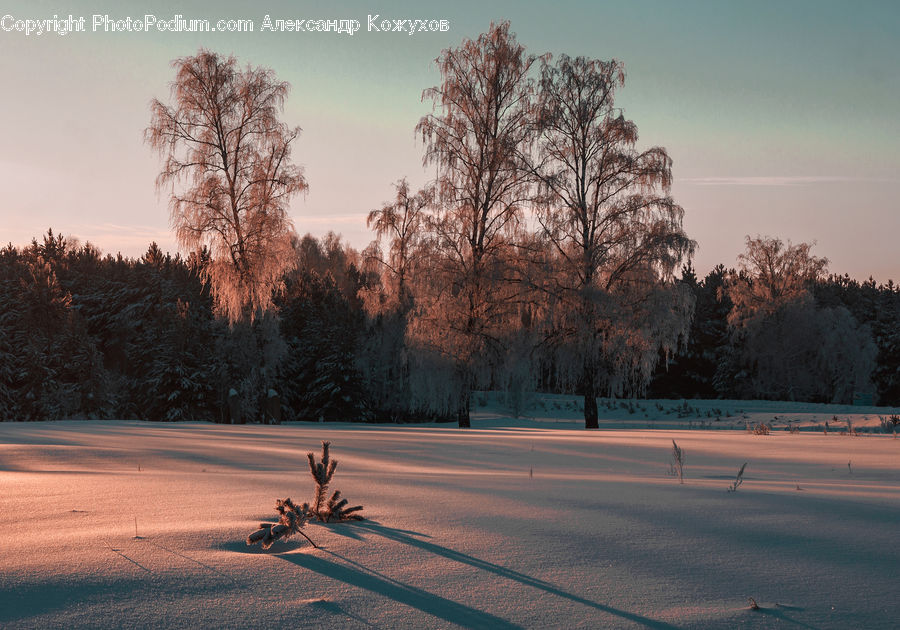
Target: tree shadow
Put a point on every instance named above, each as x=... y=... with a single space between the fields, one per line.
x=414 y=539
x=280 y=546
x=341 y=529
x=208 y=567
x=25 y=601
x=336 y=609
x=359 y=576
x=779 y=615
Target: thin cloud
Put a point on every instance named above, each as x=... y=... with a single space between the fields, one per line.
x=778 y=181
x=142 y=231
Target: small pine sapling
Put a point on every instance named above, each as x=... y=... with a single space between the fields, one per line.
x=335 y=507
x=738 y=480
x=293 y=518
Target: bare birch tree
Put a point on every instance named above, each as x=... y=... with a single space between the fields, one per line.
x=785 y=344
x=480 y=122
x=223 y=140
x=615 y=233
x=771 y=275
x=401 y=223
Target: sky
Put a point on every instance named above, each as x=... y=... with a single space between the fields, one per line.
x=782 y=118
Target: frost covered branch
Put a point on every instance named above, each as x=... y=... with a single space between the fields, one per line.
x=293 y=518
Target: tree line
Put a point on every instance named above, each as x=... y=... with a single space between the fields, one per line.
x=545 y=255
x=87 y=335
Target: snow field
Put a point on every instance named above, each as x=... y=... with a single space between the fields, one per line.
x=534 y=525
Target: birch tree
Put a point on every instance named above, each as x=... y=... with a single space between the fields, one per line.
x=787 y=345
x=401 y=223
x=772 y=274
x=226 y=162
x=480 y=122
x=614 y=231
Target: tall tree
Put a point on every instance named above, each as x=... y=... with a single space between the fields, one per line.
x=401 y=222
x=615 y=234
x=400 y=225
x=480 y=123
x=771 y=275
x=223 y=139
x=785 y=345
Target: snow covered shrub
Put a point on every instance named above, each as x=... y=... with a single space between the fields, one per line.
x=335 y=508
x=293 y=518
x=760 y=428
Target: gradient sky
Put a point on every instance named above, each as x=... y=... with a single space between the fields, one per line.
x=782 y=118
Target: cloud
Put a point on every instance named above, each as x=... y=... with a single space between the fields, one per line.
x=777 y=181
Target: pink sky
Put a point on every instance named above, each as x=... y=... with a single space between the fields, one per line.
x=781 y=121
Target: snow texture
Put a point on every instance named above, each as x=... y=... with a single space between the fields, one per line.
x=514 y=523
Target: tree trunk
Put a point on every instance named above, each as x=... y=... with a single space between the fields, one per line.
x=590 y=411
x=590 y=401
x=464 y=373
x=463 y=417
x=462 y=414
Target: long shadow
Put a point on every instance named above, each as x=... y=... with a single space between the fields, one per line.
x=132 y=561
x=823 y=545
x=779 y=615
x=197 y=562
x=403 y=536
x=370 y=580
x=338 y=610
x=25 y=601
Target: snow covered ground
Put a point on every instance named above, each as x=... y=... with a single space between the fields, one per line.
x=514 y=523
